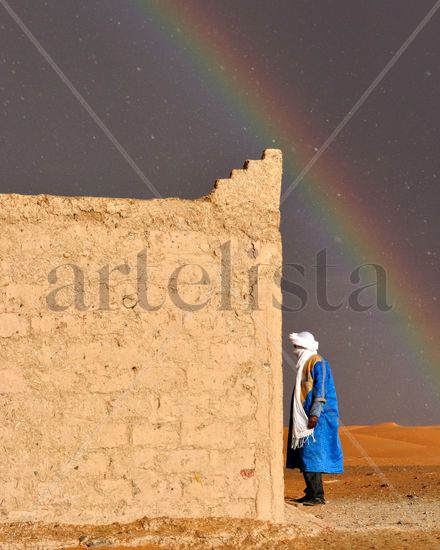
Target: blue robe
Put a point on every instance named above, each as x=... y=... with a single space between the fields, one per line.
x=325 y=453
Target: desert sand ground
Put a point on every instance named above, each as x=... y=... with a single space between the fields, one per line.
x=389 y=497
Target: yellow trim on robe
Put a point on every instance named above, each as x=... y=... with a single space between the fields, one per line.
x=306 y=378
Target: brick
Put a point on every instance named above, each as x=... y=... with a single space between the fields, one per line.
x=244 y=486
x=224 y=460
x=27 y=295
x=93 y=463
x=207 y=378
x=111 y=488
x=185 y=460
x=108 y=435
x=156 y=434
x=243 y=508
x=12 y=381
x=126 y=460
x=207 y=487
x=205 y=433
x=13 y=324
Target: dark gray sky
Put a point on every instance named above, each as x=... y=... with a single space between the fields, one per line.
x=193 y=88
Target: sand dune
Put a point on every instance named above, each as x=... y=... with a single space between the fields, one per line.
x=389 y=444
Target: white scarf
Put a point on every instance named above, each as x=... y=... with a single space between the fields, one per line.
x=300 y=431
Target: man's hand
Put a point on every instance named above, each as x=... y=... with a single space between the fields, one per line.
x=313 y=420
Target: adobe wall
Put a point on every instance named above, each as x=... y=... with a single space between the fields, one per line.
x=118 y=398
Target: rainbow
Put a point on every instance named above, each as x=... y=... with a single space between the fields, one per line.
x=265 y=109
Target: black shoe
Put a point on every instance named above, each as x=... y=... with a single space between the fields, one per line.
x=313 y=501
x=302 y=499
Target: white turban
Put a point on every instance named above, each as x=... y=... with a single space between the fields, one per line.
x=305 y=340
x=300 y=430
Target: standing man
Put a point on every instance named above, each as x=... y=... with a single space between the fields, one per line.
x=313 y=443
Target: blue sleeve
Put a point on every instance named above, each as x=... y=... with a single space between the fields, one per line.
x=316 y=408
x=319 y=374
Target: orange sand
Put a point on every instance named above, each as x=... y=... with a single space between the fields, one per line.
x=389 y=444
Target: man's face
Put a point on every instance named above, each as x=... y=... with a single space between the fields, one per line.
x=297 y=349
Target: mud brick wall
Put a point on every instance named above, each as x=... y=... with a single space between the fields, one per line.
x=140 y=354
